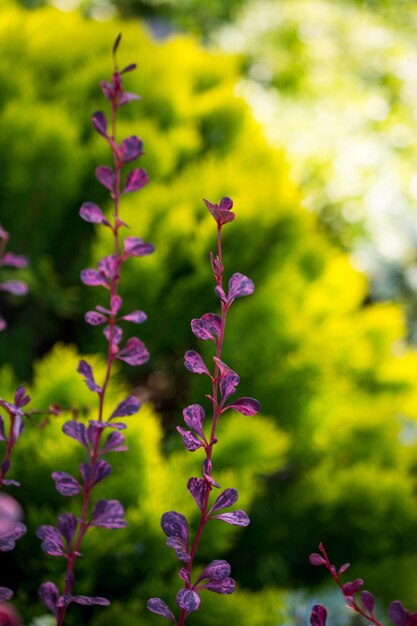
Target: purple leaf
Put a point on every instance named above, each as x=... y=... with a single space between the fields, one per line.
x=129 y=406
x=235 y=518
x=350 y=588
x=318 y=615
x=194 y=363
x=3 y=234
x=115 y=302
x=131 y=149
x=216 y=570
x=66 y=484
x=49 y=595
x=115 y=443
x=86 y=372
x=246 y=406
x=158 y=606
x=220 y=294
x=3 y=323
x=134 y=352
x=136 y=317
x=90 y=600
x=77 y=431
x=191 y=442
x=67 y=526
x=114 y=335
x=316 y=559
x=133 y=246
x=225 y=586
x=225 y=499
x=51 y=540
x=8 y=482
x=92 y=476
x=108 y=514
x=5 y=594
x=368 y=601
x=100 y=123
x=239 y=286
x=222 y=214
x=198 y=488
x=188 y=600
x=344 y=568
x=2 y=432
x=135 y=180
x=10 y=532
x=194 y=417
x=398 y=614
x=14 y=260
x=105 y=176
x=21 y=399
x=206 y=327
x=127 y=97
x=175 y=525
x=107 y=89
x=93 y=278
x=90 y=212
x=94 y=318
x=109 y=267
x=15 y=287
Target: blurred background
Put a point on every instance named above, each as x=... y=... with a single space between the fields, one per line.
x=305 y=113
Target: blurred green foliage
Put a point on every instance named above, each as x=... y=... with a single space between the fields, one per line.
x=332 y=370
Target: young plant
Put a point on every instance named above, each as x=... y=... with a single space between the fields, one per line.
x=362 y=602
x=224 y=381
x=66 y=539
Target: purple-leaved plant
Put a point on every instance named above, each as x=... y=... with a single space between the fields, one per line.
x=224 y=381
x=66 y=539
x=9 y=259
x=360 y=601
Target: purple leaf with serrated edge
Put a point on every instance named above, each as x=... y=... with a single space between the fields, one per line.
x=134 y=352
x=216 y=570
x=398 y=614
x=94 y=318
x=316 y=559
x=191 y=442
x=15 y=287
x=129 y=406
x=235 y=518
x=67 y=526
x=51 y=540
x=93 y=278
x=133 y=246
x=194 y=363
x=49 y=595
x=318 y=615
x=158 y=606
x=66 y=484
x=5 y=594
x=194 y=417
x=100 y=122
x=136 y=317
x=131 y=149
x=14 y=260
x=239 y=286
x=188 y=600
x=246 y=406
x=198 y=488
x=86 y=372
x=115 y=443
x=225 y=499
x=135 y=180
x=90 y=600
x=91 y=212
x=108 y=514
x=368 y=601
x=225 y=586
x=105 y=176
x=344 y=568
x=77 y=431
